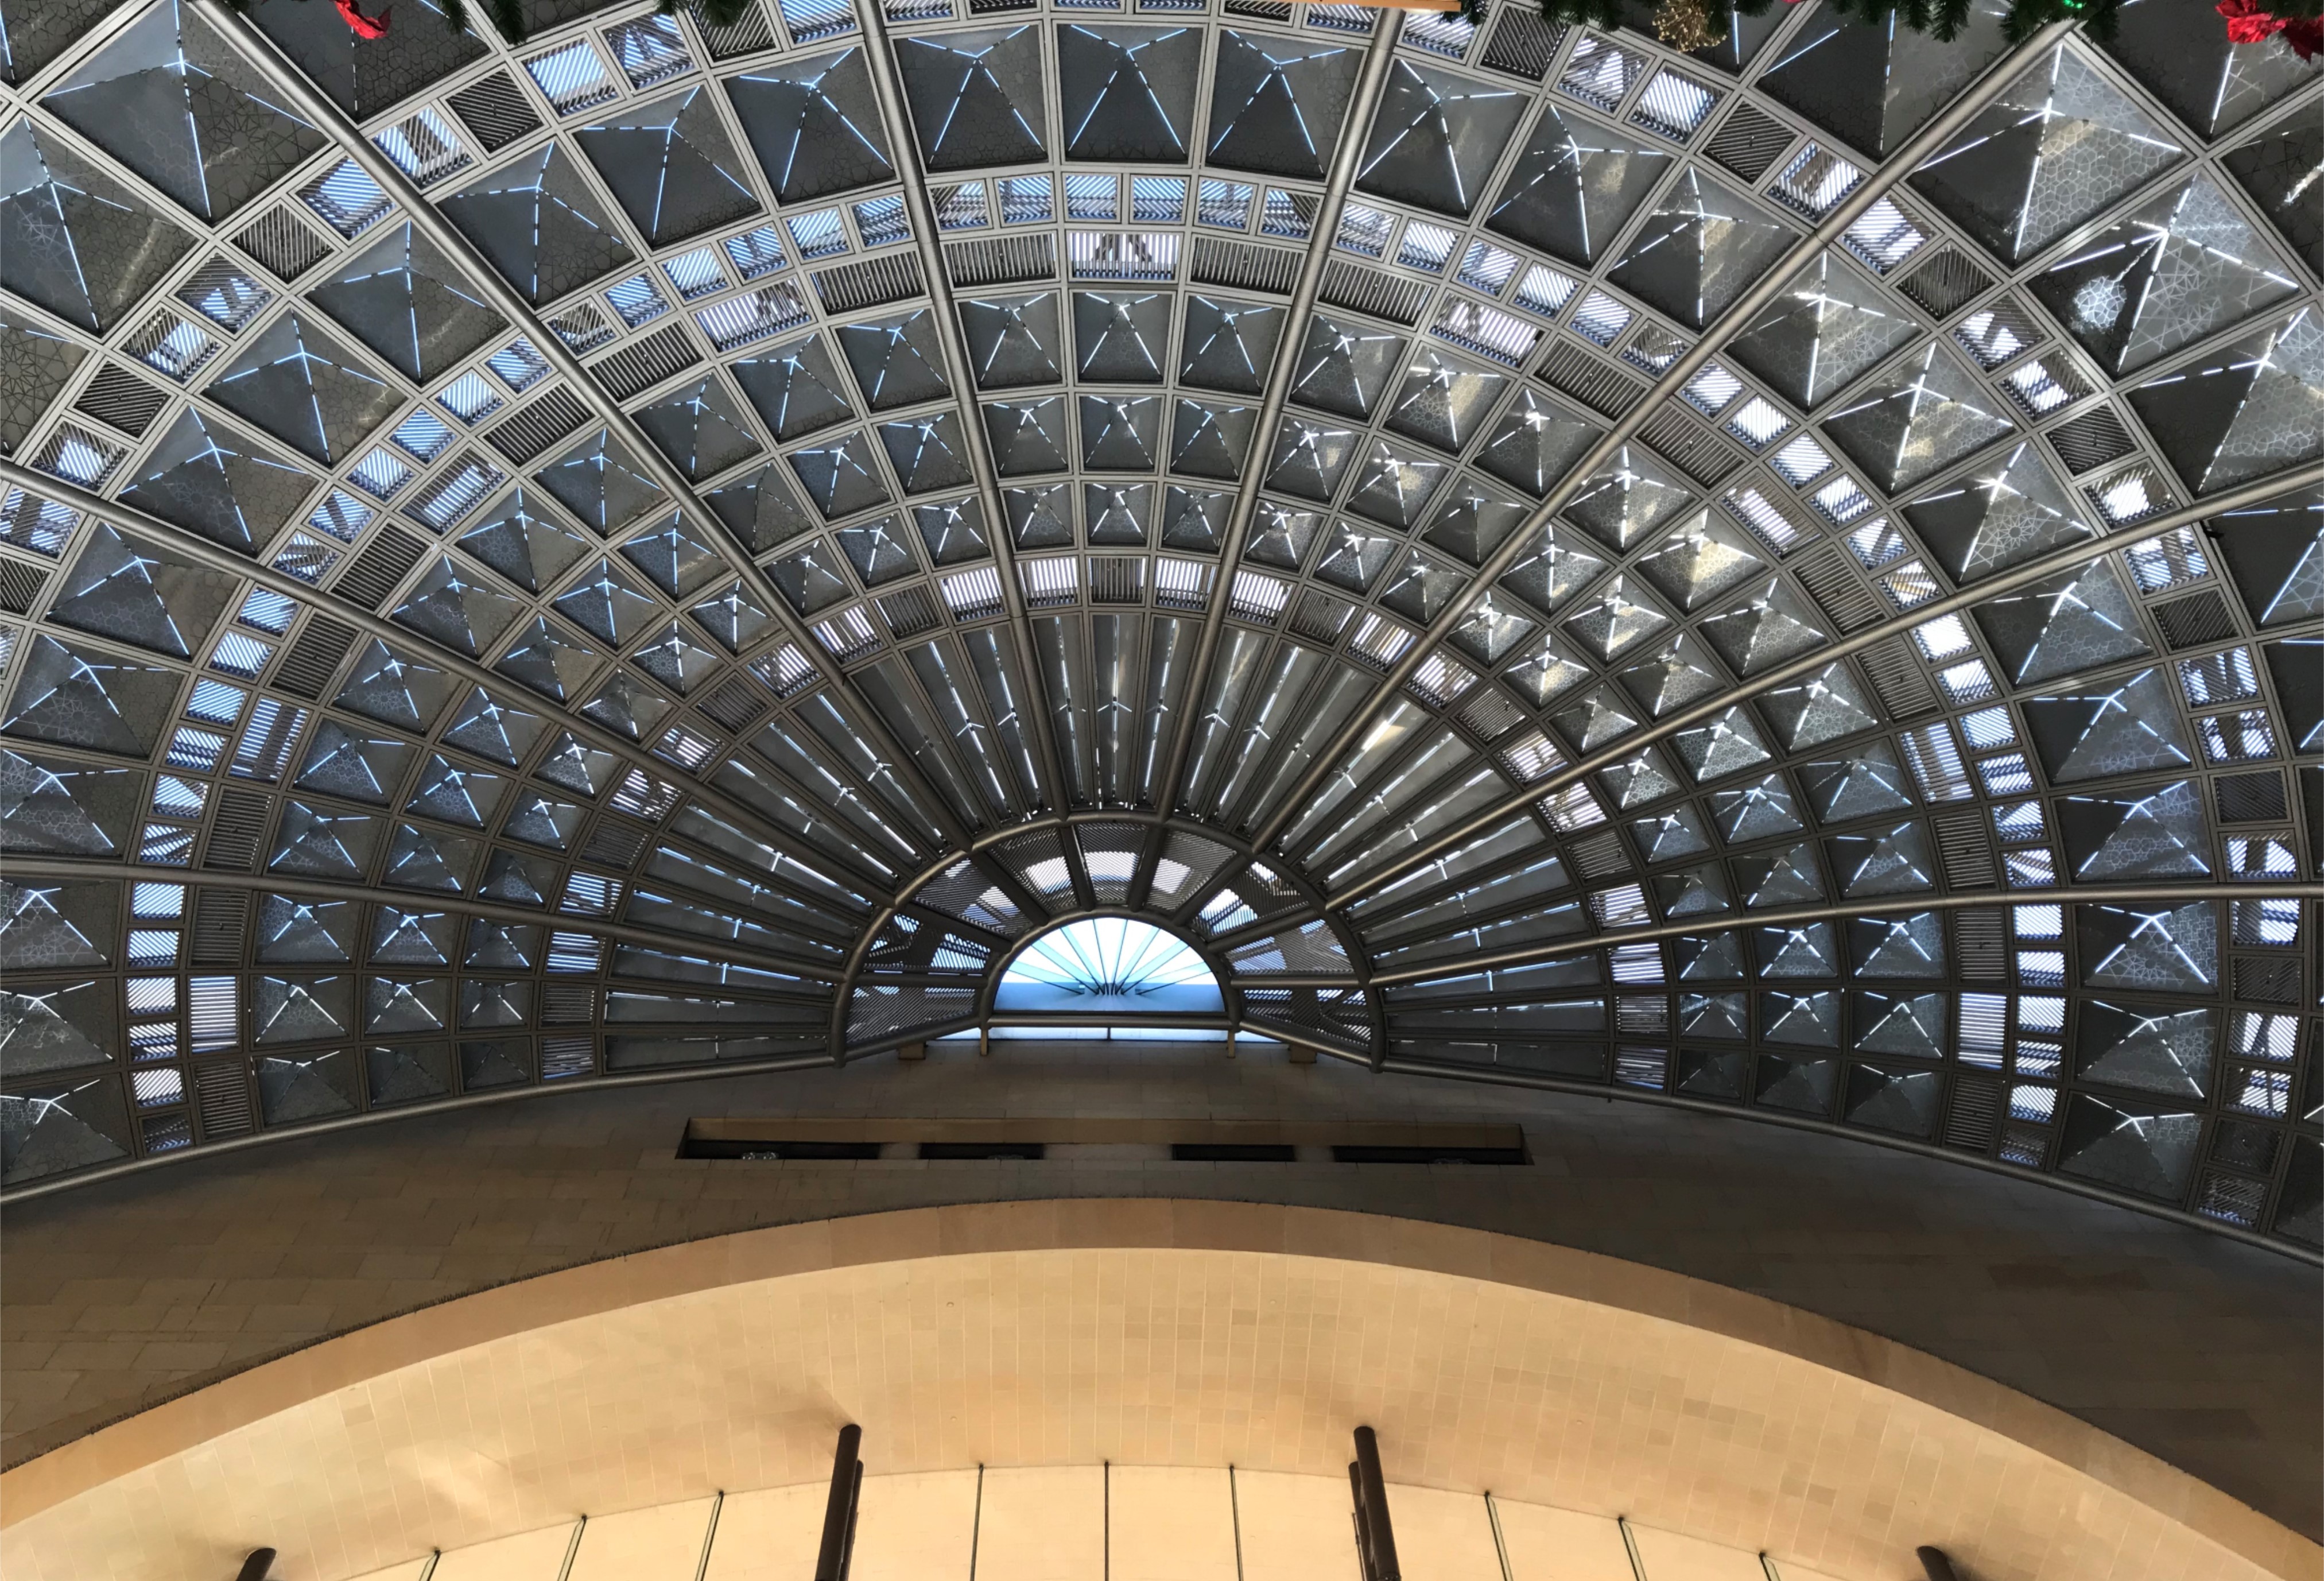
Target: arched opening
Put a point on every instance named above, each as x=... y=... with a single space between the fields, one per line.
x=1109 y=978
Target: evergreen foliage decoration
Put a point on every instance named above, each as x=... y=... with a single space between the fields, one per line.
x=507 y=19
x=1693 y=25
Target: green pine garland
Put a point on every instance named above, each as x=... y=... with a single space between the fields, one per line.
x=1940 y=19
x=508 y=19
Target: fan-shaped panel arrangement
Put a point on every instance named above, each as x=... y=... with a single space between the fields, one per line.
x=1787 y=580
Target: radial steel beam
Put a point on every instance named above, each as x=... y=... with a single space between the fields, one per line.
x=1829 y=911
x=1747 y=306
x=895 y=117
x=216 y=557
x=2069 y=558
x=66 y=870
x=309 y=103
x=1363 y=104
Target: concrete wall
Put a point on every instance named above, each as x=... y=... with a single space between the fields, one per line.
x=2207 y=1353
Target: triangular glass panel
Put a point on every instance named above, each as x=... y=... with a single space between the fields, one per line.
x=418 y=859
x=1726 y=745
x=1702 y=559
x=1700 y=248
x=2165 y=275
x=2198 y=71
x=2162 y=948
x=1680 y=674
x=2130 y=1148
x=1861 y=785
x=75 y=696
x=1629 y=497
x=1119 y=435
x=1755 y=813
x=406 y=300
x=174 y=102
x=324 y=845
x=2146 y=1047
x=359 y=768
x=1826 y=707
x=1120 y=338
x=205 y=477
x=2007 y=512
x=814 y=124
x=1229 y=344
x=672 y=659
x=2126 y=726
x=1012 y=341
x=670 y=166
x=622 y=704
x=760 y=509
x=1277 y=104
x=2251 y=408
x=1473 y=520
x=976 y=97
x=601 y=482
x=1875 y=82
x=700 y=428
x=540 y=225
x=1210 y=438
x=896 y=362
x=72 y=239
x=301 y=385
x=463 y=615
x=1128 y=94
x=1929 y=415
x=1773 y=625
x=733 y=618
x=546 y=660
x=1535 y=444
x=522 y=544
x=1395 y=485
x=456 y=793
x=1436 y=137
x=2059 y=145
x=1344 y=368
x=50 y=1131
x=1828 y=327
x=2275 y=554
x=127 y=589
x=2158 y=833
x=608 y=605
x=492 y=728
x=1310 y=458
x=1574 y=187
x=1898 y=947
x=2074 y=621
x=1886 y=863
x=796 y=388
x=1781 y=878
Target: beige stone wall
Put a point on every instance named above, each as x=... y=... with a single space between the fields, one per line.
x=2201 y=1351
x=1039 y=1340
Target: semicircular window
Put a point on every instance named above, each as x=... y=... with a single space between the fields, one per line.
x=1110 y=978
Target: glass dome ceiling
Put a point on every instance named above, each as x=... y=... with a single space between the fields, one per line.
x=1787 y=579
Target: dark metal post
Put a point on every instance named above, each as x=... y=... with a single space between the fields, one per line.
x=1934 y=1561
x=1371 y=1507
x=838 y=1549
x=255 y=1565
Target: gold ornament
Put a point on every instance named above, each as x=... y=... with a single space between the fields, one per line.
x=1688 y=24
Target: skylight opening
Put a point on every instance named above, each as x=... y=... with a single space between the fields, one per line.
x=1099 y=978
